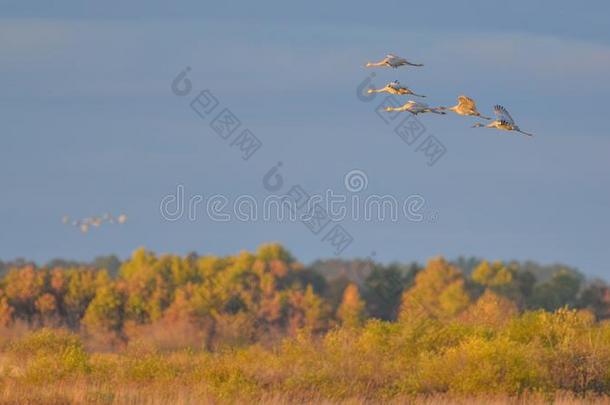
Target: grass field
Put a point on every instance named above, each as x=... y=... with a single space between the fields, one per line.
x=536 y=358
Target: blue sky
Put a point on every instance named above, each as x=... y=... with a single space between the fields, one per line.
x=90 y=125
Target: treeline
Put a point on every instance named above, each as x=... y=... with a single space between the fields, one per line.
x=209 y=302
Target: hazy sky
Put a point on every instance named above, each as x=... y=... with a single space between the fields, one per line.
x=89 y=124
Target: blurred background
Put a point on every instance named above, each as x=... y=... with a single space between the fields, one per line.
x=90 y=124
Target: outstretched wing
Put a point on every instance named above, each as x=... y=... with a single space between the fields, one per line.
x=396 y=60
x=395 y=84
x=420 y=105
x=503 y=115
x=467 y=103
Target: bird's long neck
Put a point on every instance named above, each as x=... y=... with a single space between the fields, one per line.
x=401 y=108
x=372 y=64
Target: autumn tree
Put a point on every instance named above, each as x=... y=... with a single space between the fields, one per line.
x=315 y=309
x=490 y=309
x=6 y=311
x=23 y=287
x=351 y=310
x=46 y=306
x=506 y=280
x=439 y=292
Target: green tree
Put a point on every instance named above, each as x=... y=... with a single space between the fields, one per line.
x=384 y=286
x=596 y=297
x=80 y=288
x=105 y=313
x=110 y=263
x=561 y=290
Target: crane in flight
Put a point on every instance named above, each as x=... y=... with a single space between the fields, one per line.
x=415 y=107
x=465 y=106
x=392 y=61
x=502 y=122
x=395 y=88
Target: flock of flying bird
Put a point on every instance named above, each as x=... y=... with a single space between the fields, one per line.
x=85 y=224
x=466 y=105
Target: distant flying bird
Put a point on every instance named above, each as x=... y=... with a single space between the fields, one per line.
x=465 y=106
x=395 y=88
x=415 y=108
x=392 y=61
x=85 y=224
x=503 y=121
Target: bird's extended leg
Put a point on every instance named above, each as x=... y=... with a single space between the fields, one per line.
x=525 y=133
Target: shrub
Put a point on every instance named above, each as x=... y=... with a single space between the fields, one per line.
x=49 y=355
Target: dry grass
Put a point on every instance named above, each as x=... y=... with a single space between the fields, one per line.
x=83 y=392
x=427 y=363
